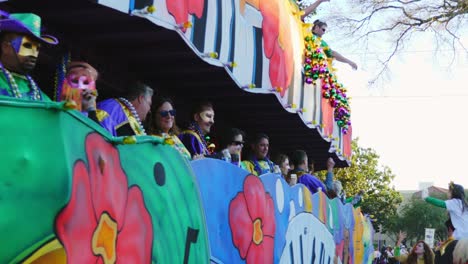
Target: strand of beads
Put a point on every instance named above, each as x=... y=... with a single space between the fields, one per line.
x=35 y=93
x=194 y=127
x=317 y=66
x=134 y=113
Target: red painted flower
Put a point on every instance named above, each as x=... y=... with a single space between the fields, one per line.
x=327 y=118
x=347 y=138
x=104 y=222
x=252 y=222
x=278 y=46
x=181 y=9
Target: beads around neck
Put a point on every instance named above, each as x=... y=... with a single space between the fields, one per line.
x=134 y=113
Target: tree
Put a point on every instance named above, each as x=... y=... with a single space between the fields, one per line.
x=380 y=199
x=367 y=22
x=417 y=215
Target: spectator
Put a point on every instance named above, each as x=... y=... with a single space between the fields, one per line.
x=444 y=252
x=377 y=255
x=383 y=258
x=403 y=250
x=123 y=116
x=79 y=86
x=460 y=254
x=202 y=116
x=421 y=253
x=456 y=207
x=389 y=251
x=259 y=163
x=163 y=124
x=231 y=144
x=20 y=37
x=300 y=161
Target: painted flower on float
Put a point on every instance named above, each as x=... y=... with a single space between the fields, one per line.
x=181 y=9
x=276 y=28
x=252 y=222
x=104 y=221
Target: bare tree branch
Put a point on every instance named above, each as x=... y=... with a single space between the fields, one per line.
x=396 y=21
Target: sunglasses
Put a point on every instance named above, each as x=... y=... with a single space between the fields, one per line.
x=166 y=113
x=237 y=143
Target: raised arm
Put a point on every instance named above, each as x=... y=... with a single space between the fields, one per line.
x=401 y=237
x=329 y=179
x=310 y=9
x=432 y=200
x=397 y=255
x=343 y=59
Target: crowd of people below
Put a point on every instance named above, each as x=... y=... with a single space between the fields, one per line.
x=454 y=250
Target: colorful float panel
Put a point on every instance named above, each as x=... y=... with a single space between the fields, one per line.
x=72 y=194
x=262 y=219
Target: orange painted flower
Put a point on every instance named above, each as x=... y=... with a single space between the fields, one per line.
x=104 y=221
x=252 y=222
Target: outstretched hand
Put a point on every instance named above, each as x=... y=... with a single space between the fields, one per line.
x=330 y=164
x=424 y=193
x=353 y=65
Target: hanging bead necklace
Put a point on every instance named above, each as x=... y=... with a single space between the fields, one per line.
x=194 y=126
x=132 y=109
x=35 y=94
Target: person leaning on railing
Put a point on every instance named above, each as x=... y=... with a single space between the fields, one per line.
x=79 y=87
x=259 y=163
x=282 y=160
x=202 y=119
x=231 y=143
x=162 y=123
x=20 y=41
x=300 y=161
x=124 y=116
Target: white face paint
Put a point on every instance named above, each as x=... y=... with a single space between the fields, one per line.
x=206 y=120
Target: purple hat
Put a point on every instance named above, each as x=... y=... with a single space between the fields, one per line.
x=26 y=23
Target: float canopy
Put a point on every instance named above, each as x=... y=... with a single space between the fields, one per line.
x=120 y=45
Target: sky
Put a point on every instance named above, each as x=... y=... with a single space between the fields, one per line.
x=417 y=119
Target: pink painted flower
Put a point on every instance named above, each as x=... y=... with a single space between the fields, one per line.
x=278 y=47
x=252 y=222
x=104 y=221
x=181 y=9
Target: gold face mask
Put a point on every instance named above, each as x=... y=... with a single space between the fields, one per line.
x=26 y=46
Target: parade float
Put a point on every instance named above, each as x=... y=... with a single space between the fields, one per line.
x=72 y=193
